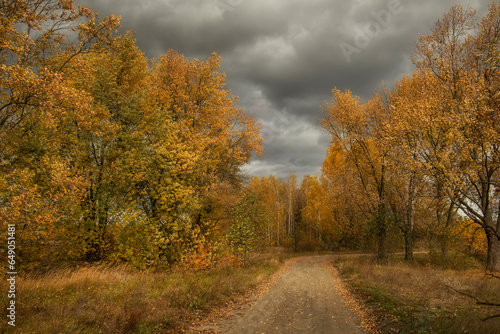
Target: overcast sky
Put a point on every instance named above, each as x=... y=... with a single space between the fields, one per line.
x=283 y=57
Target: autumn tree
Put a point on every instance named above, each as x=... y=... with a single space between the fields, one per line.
x=35 y=33
x=357 y=128
x=249 y=218
x=462 y=56
x=345 y=197
x=260 y=188
x=221 y=136
x=406 y=199
x=419 y=132
x=317 y=214
x=291 y=192
x=281 y=200
x=38 y=40
x=102 y=150
x=98 y=143
x=271 y=192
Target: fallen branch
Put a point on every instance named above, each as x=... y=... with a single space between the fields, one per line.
x=491 y=317
x=478 y=302
x=491 y=276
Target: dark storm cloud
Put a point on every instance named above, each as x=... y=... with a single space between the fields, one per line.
x=283 y=57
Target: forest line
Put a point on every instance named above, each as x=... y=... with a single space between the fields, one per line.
x=106 y=155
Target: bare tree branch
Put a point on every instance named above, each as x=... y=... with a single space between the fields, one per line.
x=479 y=301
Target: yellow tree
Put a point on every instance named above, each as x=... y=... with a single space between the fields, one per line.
x=407 y=189
x=98 y=144
x=37 y=188
x=291 y=191
x=31 y=33
x=483 y=156
x=278 y=205
x=221 y=137
x=463 y=57
x=259 y=188
x=345 y=197
x=193 y=93
x=421 y=134
x=358 y=129
x=90 y=138
x=275 y=197
x=318 y=213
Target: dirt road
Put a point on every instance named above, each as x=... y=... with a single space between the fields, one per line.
x=305 y=298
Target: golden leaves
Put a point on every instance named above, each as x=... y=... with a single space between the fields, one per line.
x=103 y=137
x=436 y=132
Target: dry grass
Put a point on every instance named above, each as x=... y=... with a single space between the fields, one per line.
x=102 y=299
x=419 y=298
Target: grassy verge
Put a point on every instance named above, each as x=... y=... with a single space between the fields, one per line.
x=103 y=299
x=419 y=298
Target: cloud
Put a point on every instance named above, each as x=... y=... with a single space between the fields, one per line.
x=283 y=57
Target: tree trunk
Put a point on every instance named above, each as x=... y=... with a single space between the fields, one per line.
x=493 y=258
x=409 y=225
x=93 y=253
x=295 y=239
x=278 y=229
x=409 y=246
x=443 y=243
x=382 y=256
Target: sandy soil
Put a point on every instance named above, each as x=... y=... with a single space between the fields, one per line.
x=306 y=296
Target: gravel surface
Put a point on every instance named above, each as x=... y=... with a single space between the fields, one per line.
x=306 y=296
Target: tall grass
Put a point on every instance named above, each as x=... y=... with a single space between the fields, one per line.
x=421 y=297
x=101 y=299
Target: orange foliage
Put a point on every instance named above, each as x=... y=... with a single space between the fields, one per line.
x=91 y=137
x=471 y=238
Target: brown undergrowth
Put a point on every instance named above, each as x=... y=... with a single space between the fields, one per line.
x=423 y=297
x=111 y=299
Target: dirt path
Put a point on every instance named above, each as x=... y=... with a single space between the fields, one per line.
x=307 y=297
